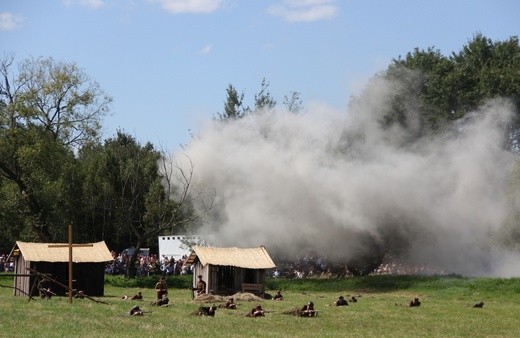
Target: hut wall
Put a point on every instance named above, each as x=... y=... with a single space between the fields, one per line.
x=22 y=284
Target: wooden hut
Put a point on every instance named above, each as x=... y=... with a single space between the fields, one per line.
x=229 y=270
x=88 y=266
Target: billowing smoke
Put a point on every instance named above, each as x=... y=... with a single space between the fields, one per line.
x=338 y=183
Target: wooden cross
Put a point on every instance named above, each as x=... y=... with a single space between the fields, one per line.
x=70 y=246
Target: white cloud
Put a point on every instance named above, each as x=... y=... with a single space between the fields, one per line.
x=304 y=10
x=92 y=4
x=9 y=21
x=188 y=6
x=206 y=49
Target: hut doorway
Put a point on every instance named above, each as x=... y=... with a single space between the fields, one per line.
x=226 y=278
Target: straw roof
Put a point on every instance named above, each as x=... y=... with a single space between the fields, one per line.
x=248 y=258
x=43 y=252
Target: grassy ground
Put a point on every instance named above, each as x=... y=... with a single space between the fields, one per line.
x=381 y=311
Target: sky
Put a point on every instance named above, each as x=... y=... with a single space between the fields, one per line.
x=167 y=63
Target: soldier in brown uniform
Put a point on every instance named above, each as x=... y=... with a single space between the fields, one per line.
x=161 y=288
x=136 y=311
x=201 y=286
x=138 y=296
x=230 y=304
x=256 y=311
x=415 y=302
x=307 y=310
x=341 y=301
x=278 y=295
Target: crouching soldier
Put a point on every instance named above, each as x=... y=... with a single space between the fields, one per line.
x=161 y=302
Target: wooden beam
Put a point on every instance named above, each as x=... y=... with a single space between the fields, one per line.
x=70 y=246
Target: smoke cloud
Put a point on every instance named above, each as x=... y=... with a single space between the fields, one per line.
x=327 y=181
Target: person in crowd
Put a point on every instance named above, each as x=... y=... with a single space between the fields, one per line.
x=161 y=288
x=341 y=301
x=278 y=295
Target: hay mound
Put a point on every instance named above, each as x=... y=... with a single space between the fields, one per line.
x=208 y=298
x=246 y=296
x=240 y=296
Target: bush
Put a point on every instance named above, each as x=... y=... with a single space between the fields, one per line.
x=178 y=282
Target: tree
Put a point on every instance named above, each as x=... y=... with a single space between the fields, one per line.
x=445 y=88
x=49 y=109
x=264 y=100
x=293 y=103
x=136 y=192
x=233 y=106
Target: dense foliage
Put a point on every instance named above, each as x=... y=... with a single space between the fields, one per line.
x=445 y=88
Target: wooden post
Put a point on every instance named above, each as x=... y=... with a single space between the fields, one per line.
x=70 y=246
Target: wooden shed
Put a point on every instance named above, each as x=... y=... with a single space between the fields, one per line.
x=88 y=266
x=229 y=270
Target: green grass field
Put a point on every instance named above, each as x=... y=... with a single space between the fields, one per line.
x=382 y=310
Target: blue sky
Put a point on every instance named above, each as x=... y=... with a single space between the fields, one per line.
x=167 y=63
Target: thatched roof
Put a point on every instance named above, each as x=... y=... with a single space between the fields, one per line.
x=43 y=252
x=248 y=258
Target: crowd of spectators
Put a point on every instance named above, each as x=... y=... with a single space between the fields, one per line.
x=148 y=264
x=397 y=267
x=5 y=265
x=316 y=266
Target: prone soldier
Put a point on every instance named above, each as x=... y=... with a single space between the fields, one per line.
x=341 y=301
